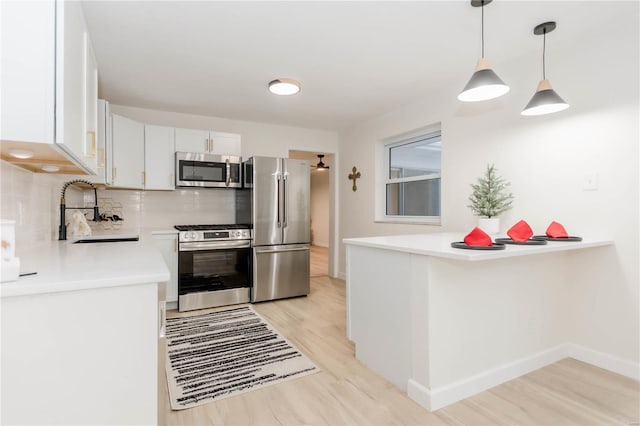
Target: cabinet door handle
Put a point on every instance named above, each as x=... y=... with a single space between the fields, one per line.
x=144 y=178
x=92 y=133
x=113 y=176
x=211 y=148
x=101 y=156
x=206 y=145
x=171 y=183
x=175 y=245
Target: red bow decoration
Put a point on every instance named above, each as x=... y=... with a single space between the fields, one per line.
x=477 y=237
x=555 y=230
x=520 y=232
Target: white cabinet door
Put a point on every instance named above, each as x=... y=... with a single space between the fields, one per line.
x=225 y=143
x=27 y=77
x=159 y=157
x=167 y=244
x=128 y=152
x=104 y=143
x=191 y=140
x=70 y=65
x=93 y=158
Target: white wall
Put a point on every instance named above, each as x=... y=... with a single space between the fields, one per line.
x=320 y=208
x=546 y=159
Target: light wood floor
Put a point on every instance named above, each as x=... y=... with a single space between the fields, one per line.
x=347 y=393
x=319 y=260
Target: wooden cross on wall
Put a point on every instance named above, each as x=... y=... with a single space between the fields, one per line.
x=355 y=174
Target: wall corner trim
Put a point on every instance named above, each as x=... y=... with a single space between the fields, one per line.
x=604 y=360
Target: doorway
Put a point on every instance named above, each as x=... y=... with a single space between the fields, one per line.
x=320 y=208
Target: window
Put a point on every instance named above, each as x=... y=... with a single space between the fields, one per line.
x=412 y=182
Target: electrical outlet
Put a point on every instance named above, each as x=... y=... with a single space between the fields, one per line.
x=590 y=182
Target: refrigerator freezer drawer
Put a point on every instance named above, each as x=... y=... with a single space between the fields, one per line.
x=280 y=272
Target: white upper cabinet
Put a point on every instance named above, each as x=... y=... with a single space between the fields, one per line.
x=159 y=157
x=190 y=140
x=49 y=78
x=225 y=143
x=128 y=153
x=28 y=79
x=104 y=151
x=92 y=155
x=208 y=142
x=76 y=86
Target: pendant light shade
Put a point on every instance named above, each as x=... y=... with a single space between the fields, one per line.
x=484 y=83
x=545 y=100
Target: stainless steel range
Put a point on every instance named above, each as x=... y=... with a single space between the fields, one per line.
x=214 y=265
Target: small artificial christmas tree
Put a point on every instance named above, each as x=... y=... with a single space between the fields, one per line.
x=490 y=197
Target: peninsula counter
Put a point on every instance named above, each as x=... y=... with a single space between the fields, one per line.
x=444 y=323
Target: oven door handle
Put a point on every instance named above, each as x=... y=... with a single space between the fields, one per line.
x=214 y=245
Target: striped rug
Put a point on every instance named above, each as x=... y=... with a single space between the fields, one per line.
x=225 y=353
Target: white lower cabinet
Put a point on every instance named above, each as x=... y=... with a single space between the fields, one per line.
x=82 y=357
x=159 y=157
x=167 y=244
x=128 y=153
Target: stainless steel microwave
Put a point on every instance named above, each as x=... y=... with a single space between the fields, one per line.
x=208 y=170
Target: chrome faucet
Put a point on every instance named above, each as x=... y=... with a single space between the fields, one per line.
x=62 y=230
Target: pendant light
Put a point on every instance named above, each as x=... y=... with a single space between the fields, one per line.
x=545 y=100
x=484 y=83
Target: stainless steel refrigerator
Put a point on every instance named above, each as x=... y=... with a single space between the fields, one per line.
x=276 y=202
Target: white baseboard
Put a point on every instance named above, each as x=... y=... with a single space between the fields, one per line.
x=342 y=276
x=603 y=360
x=433 y=399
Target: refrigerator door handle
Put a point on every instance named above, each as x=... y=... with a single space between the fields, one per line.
x=281 y=249
x=284 y=200
x=278 y=198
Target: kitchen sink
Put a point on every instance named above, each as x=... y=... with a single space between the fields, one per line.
x=106 y=239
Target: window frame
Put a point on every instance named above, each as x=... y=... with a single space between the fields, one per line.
x=384 y=179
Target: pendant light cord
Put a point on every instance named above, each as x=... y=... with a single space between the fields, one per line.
x=482 y=37
x=544 y=49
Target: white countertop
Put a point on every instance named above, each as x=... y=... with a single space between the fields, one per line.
x=439 y=245
x=63 y=266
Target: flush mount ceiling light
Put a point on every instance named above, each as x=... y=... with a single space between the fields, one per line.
x=321 y=165
x=284 y=86
x=21 y=153
x=50 y=168
x=545 y=100
x=484 y=83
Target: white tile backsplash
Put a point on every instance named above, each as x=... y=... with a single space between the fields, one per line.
x=33 y=199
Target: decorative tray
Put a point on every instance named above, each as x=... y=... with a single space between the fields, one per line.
x=545 y=238
x=463 y=245
x=529 y=242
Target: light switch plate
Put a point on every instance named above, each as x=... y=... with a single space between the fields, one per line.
x=590 y=182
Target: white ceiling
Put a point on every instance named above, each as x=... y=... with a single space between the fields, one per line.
x=355 y=59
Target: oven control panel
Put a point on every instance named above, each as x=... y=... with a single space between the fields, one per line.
x=226 y=235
